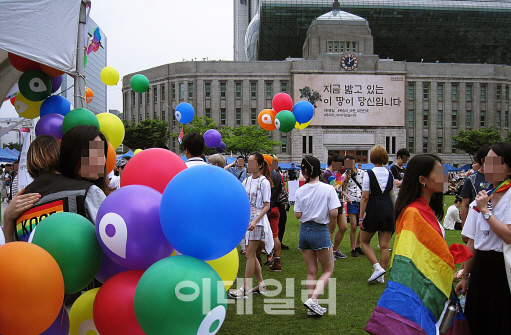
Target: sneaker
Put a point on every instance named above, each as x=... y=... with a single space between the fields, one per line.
x=269 y=259
x=284 y=247
x=376 y=274
x=339 y=254
x=353 y=253
x=359 y=251
x=381 y=280
x=314 y=307
x=311 y=313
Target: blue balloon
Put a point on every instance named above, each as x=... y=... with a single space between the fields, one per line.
x=303 y=111
x=221 y=147
x=55 y=104
x=204 y=212
x=184 y=112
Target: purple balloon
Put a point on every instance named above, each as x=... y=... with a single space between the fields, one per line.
x=50 y=124
x=61 y=324
x=108 y=269
x=55 y=83
x=128 y=227
x=55 y=104
x=221 y=147
x=212 y=138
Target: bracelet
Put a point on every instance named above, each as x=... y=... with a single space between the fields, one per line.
x=360 y=219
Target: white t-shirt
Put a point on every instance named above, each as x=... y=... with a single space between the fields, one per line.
x=353 y=191
x=382 y=175
x=259 y=192
x=315 y=201
x=478 y=229
x=194 y=161
x=451 y=217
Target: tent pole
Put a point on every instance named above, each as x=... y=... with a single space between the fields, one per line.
x=79 y=90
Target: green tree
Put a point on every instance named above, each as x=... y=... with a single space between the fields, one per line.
x=12 y=145
x=471 y=140
x=146 y=134
x=246 y=139
x=311 y=95
x=200 y=124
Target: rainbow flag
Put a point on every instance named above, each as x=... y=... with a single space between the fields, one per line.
x=421 y=274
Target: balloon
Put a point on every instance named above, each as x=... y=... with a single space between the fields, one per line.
x=285 y=121
x=111 y=126
x=114 y=312
x=55 y=83
x=22 y=64
x=159 y=167
x=51 y=71
x=61 y=324
x=31 y=284
x=13 y=99
x=212 y=138
x=184 y=112
x=108 y=269
x=26 y=108
x=35 y=85
x=111 y=158
x=266 y=119
x=214 y=203
x=221 y=147
x=181 y=287
x=128 y=227
x=89 y=95
x=81 y=321
x=109 y=76
x=227 y=267
x=303 y=111
x=137 y=151
x=139 y=83
x=302 y=125
x=281 y=102
x=78 y=117
x=71 y=240
x=55 y=104
x=50 y=124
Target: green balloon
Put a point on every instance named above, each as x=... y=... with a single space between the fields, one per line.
x=71 y=240
x=169 y=297
x=79 y=117
x=35 y=85
x=139 y=83
x=285 y=121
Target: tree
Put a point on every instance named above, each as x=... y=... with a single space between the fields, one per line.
x=146 y=134
x=246 y=139
x=311 y=95
x=471 y=140
x=200 y=124
x=12 y=145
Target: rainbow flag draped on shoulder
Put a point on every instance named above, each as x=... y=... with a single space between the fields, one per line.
x=421 y=274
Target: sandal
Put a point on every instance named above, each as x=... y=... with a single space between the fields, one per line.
x=235 y=295
x=259 y=289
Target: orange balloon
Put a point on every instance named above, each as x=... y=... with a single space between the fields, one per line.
x=51 y=71
x=266 y=119
x=31 y=289
x=88 y=94
x=111 y=158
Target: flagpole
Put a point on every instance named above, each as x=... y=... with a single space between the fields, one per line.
x=79 y=90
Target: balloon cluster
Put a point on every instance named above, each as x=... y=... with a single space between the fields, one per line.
x=213 y=140
x=284 y=116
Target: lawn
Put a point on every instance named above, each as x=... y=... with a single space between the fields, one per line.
x=353 y=297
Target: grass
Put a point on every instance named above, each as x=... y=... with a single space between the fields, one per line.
x=354 y=298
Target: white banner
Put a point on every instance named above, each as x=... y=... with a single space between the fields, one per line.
x=23 y=177
x=293 y=186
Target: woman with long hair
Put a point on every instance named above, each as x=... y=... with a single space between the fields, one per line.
x=488 y=227
x=316 y=204
x=258 y=188
x=422 y=267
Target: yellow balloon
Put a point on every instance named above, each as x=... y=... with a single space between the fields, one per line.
x=26 y=108
x=111 y=126
x=302 y=125
x=80 y=315
x=175 y=253
x=109 y=76
x=227 y=267
x=137 y=151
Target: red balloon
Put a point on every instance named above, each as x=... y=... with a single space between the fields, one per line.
x=282 y=102
x=114 y=311
x=13 y=100
x=153 y=167
x=21 y=63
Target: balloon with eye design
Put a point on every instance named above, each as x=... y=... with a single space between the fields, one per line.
x=184 y=113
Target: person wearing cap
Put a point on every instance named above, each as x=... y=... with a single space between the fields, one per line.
x=115 y=179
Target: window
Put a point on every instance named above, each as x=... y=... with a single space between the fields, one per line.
x=163 y=115
x=354 y=46
x=283 y=146
x=483 y=92
x=140 y=116
x=440 y=92
x=468 y=120
x=156 y=115
x=411 y=115
x=304 y=144
x=499 y=115
x=425 y=118
x=190 y=90
x=140 y=99
x=330 y=46
x=253 y=116
x=208 y=112
x=238 y=116
x=147 y=98
x=425 y=91
x=468 y=92
x=483 y=119
x=173 y=91
x=453 y=147
x=440 y=145
x=393 y=144
x=424 y=145
x=134 y=118
x=454 y=119
x=133 y=101
x=310 y=144
x=223 y=90
x=411 y=91
x=222 y=116
x=163 y=92
x=506 y=119
x=253 y=90
x=499 y=91
x=155 y=92
x=454 y=92
x=336 y=46
x=410 y=144
x=173 y=117
x=283 y=87
x=238 y=90
x=507 y=92
x=181 y=91
x=341 y=47
x=269 y=90
x=207 y=90
x=440 y=119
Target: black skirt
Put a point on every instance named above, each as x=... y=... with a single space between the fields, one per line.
x=488 y=306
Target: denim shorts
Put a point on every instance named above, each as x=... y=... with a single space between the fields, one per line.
x=353 y=208
x=313 y=236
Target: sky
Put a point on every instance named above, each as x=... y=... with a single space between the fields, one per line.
x=145 y=34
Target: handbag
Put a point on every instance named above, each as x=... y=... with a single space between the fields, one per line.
x=459 y=325
x=283 y=197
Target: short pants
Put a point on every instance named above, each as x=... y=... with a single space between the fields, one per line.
x=313 y=236
x=353 y=208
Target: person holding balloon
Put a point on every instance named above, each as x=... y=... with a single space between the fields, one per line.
x=258 y=188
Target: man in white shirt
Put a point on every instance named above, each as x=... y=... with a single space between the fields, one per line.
x=452 y=219
x=193 y=144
